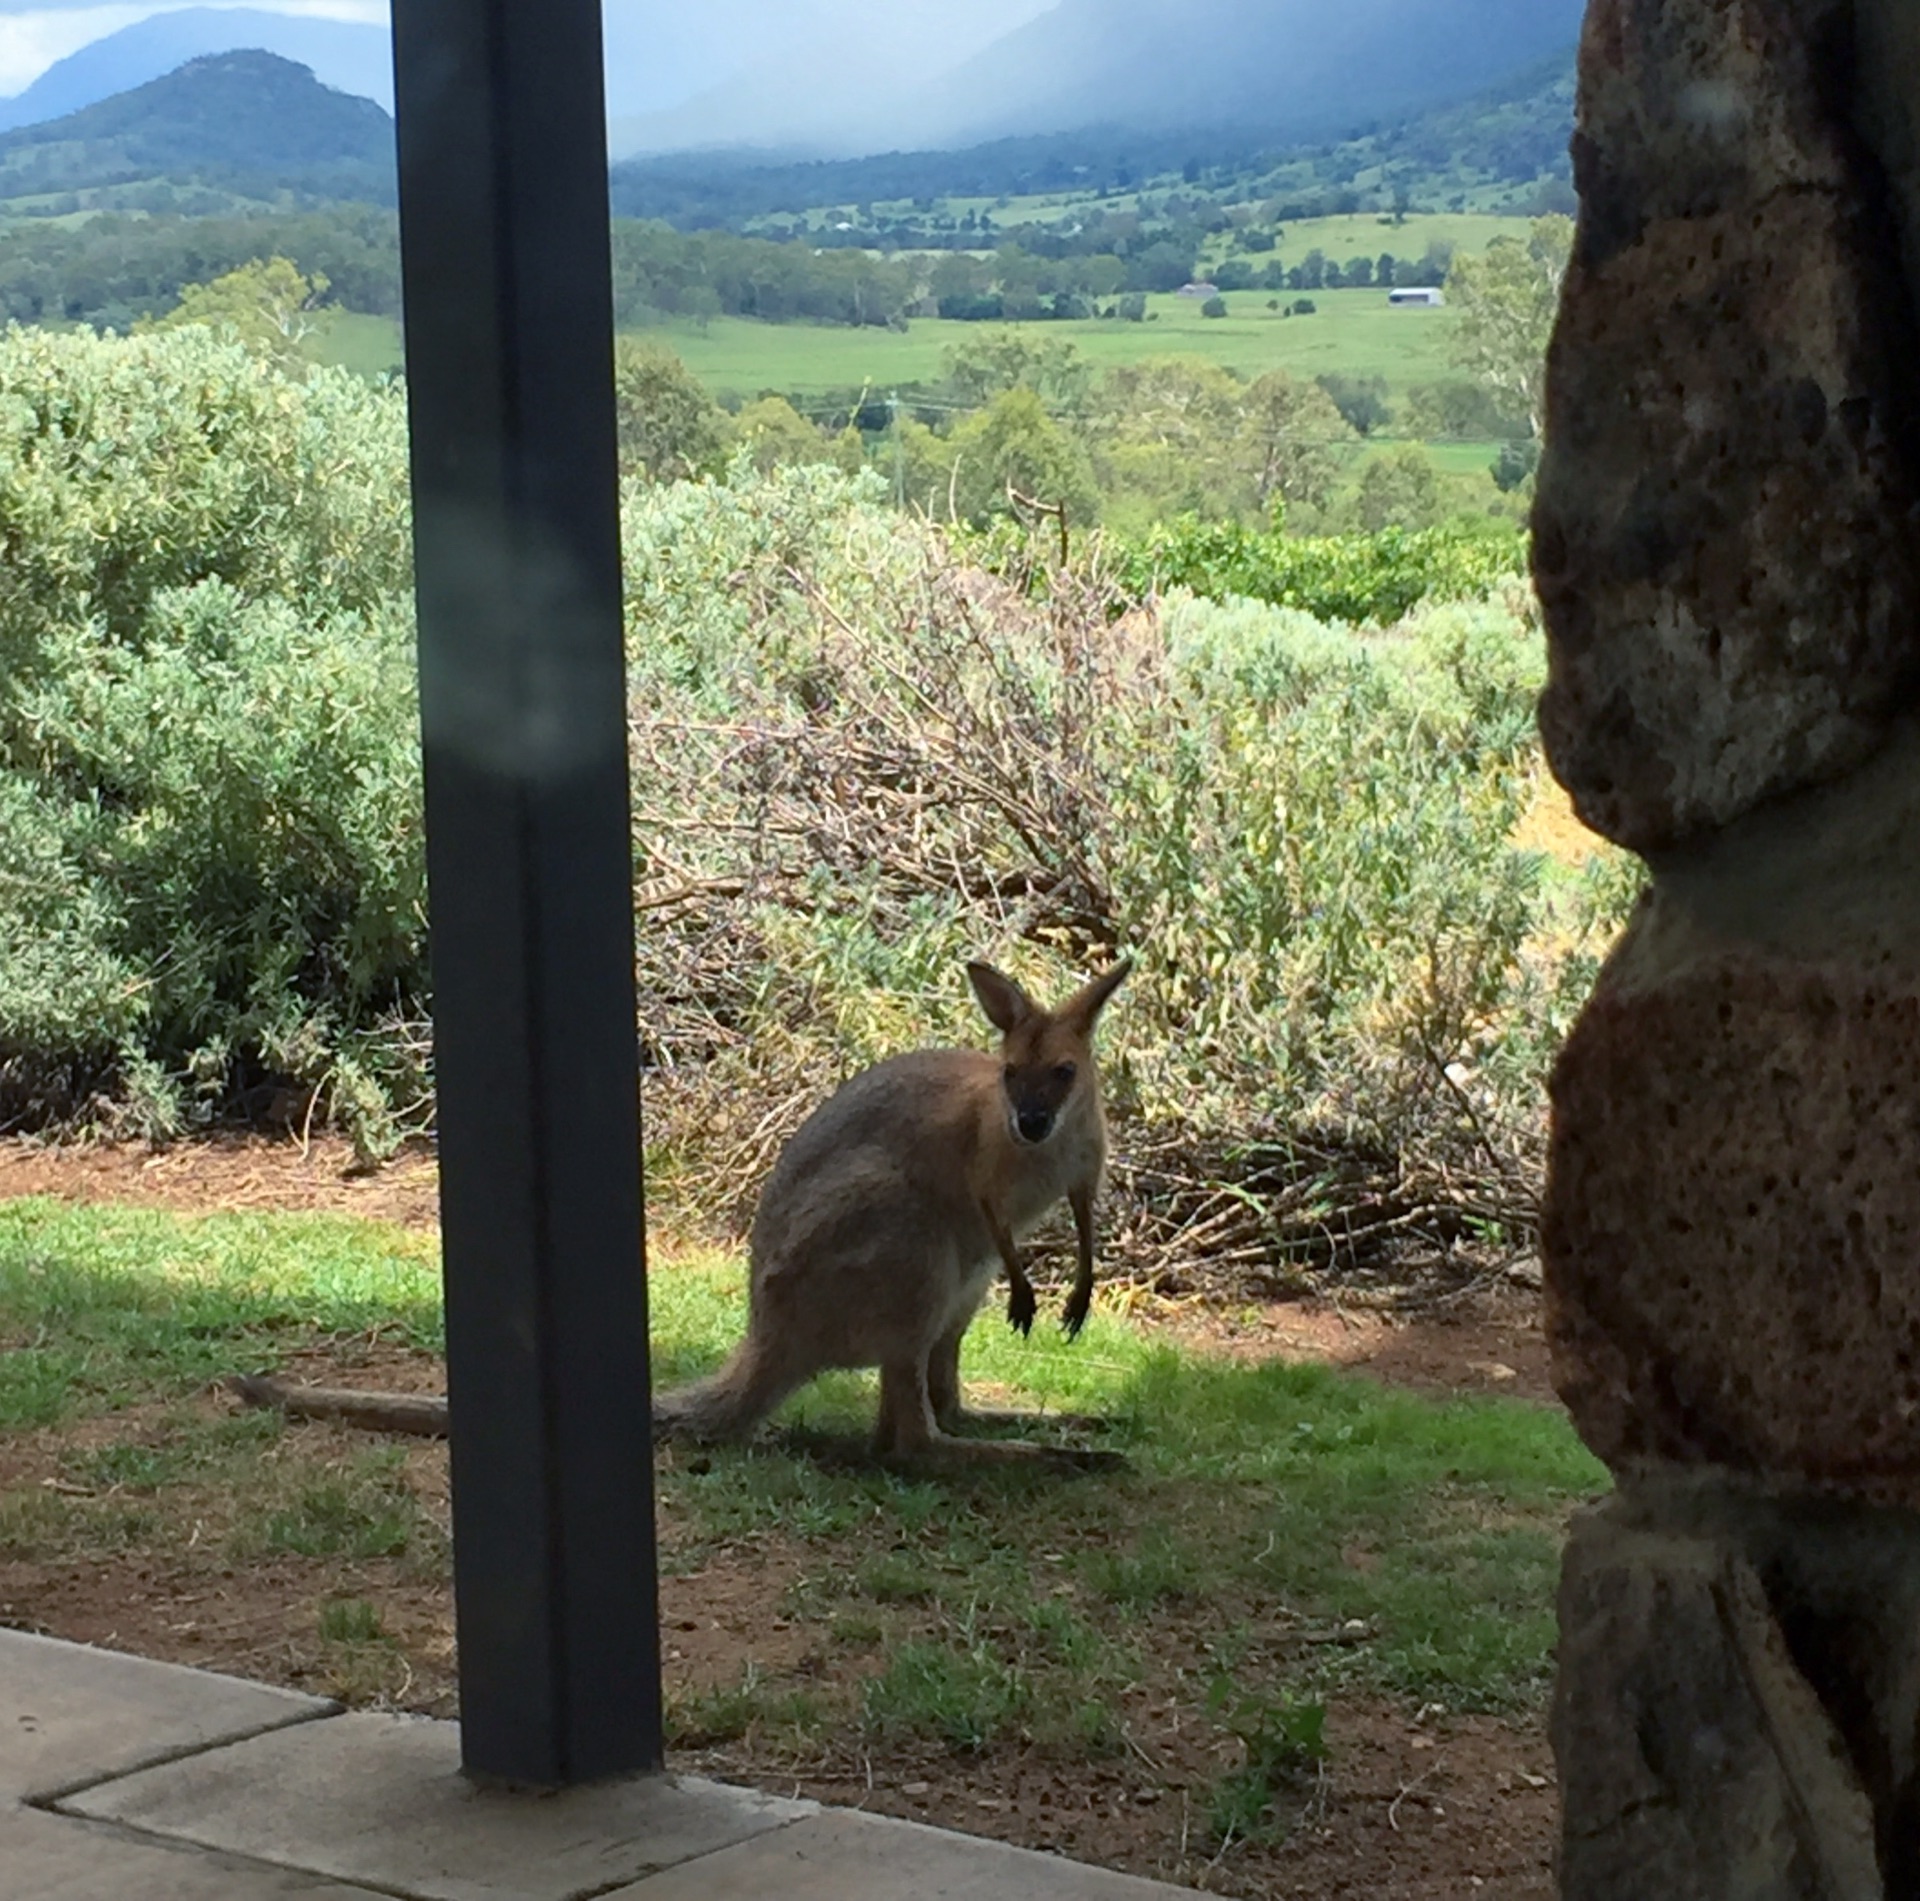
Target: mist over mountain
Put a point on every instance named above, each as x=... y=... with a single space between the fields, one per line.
x=830 y=75
x=1301 y=67
x=1294 y=69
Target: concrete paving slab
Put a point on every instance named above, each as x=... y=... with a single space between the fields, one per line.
x=379 y=1800
x=71 y=1715
x=50 y=1858
x=843 y=1856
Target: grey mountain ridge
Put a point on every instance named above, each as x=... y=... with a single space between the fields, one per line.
x=841 y=77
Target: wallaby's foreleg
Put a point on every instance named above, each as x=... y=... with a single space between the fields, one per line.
x=1080 y=1301
x=1022 y=1304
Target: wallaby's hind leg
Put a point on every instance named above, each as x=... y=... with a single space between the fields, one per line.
x=952 y=1413
x=943 y=1380
x=906 y=1423
x=908 y=1434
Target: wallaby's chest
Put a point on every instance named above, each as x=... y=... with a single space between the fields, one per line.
x=1039 y=1179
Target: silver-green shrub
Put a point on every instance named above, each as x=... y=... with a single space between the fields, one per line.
x=208 y=767
x=858 y=761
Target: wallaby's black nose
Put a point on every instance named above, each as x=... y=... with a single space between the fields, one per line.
x=1035 y=1125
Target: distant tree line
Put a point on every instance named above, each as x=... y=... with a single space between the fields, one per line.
x=116 y=270
x=658 y=271
x=701 y=192
x=1017 y=412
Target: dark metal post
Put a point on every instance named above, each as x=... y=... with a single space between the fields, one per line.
x=503 y=199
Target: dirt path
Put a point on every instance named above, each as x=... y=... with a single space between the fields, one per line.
x=1428 y=1806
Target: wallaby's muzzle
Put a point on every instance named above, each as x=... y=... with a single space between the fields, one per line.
x=1033 y=1125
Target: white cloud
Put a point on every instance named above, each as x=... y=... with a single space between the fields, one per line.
x=33 y=37
x=31 y=42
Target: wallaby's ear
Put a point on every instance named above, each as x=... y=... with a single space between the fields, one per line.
x=1083 y=1008
x=1006 y=1004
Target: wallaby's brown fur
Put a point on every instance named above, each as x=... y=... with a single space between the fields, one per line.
x=879 y=1231
x=885 y=1217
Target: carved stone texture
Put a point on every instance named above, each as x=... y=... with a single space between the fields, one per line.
x=1695 y=1761
x=1732 y=1224
x=1724 y=536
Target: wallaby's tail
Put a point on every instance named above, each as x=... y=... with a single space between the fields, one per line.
x=729 y=1405
x=733 y=1401
x=371 y=1412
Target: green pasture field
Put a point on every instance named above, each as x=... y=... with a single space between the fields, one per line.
x=1450 y=458
x=1354 y=331
x=1368 y=233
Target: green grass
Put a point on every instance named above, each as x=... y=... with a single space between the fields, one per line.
x=102 y=1308
x=1296 y=1534
x=350 y=1620
x=1451 y=458
x=365 y=1512
x=1367 y=234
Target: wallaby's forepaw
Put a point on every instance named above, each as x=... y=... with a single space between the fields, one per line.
x=1022 y=1307
x=1075 y=1316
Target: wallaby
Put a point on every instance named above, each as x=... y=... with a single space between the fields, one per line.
x=885 y=1217
x=879 y=1230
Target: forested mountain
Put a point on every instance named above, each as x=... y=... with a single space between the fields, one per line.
x=1513 y=134
x=248 y=124
x=342 y=54
x=826 y=78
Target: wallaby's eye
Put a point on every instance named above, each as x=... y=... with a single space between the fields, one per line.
x=1063 y=1074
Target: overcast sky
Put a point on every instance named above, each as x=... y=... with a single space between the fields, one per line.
x=35 y=33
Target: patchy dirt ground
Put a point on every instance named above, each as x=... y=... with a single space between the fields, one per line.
x=1427 y=1804
x=227 y=1172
